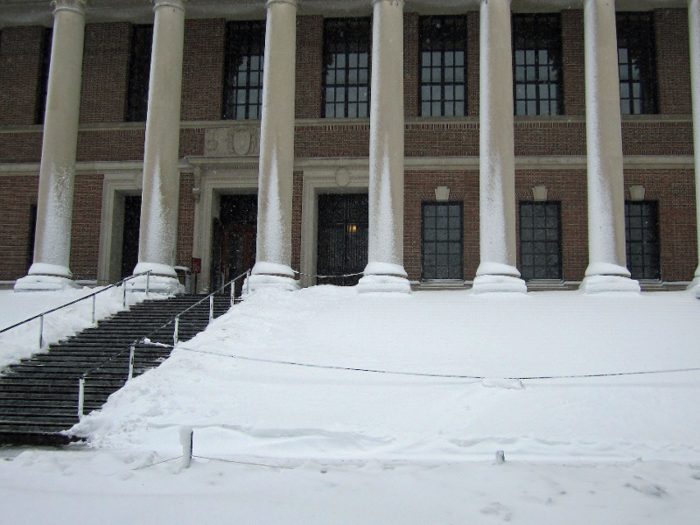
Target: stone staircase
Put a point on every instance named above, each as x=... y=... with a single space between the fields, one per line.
x=39 y=395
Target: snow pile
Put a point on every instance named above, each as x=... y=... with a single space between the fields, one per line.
x=23 y=341
x=458 y=388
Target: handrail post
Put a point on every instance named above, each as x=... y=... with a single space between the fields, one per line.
x=132 y=351
x=247 y=282
x=41 y=332
x=93 y=308
x=211 y=308
x=81 y=396
x=148 y=281
x=124 y=290
x=233 y=292
x=176 y=332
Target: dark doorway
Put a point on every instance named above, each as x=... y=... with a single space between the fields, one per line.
x=342 y=238
x=32 y=235
x=234 y=239
x=130 y=239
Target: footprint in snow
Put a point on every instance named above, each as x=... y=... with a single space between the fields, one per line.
x=498 y=509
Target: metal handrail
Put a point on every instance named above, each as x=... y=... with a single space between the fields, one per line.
x=132 y=346
x=93 y=295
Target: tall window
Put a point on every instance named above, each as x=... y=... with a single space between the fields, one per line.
x=346 y=67
x=243 y=80
x=540 y=240
x=642 y=235
x=443 y=46
x=442 y=240
x=43 y=88
x=139 y=73
x=537 y=64
x=637 y=62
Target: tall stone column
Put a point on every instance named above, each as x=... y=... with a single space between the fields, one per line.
x=694 y=32
x=606 y=270
x=161 y=177
x=385 y=271
x=50 y=268
x=497 y=270
x=275 y=176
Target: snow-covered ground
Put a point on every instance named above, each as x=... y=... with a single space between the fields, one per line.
x=329 y=406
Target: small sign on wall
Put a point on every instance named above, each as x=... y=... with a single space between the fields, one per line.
x=196 y=265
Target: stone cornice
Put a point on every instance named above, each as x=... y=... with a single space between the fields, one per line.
x=77 y=6
x=177 y=4
x=295 y=3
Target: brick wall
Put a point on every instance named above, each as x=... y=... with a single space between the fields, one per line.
x=473 y=63
x=85 y=232
x=203 y=69
x=20 y=147
x=309 y=67
x=672 y=61
x=17 y=194
x=105 y=72
x=411 y=63
x=453 y=139
x=185 y=229
x=20 y=70
x=297 y=191
x=573 y=62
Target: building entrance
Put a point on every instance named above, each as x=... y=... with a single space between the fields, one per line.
x=234 y=239
x=130 y=236
x=343 y=224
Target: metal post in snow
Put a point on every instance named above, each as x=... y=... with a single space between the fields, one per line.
x=148 y=282
x=211 y=308
x=41 y=332
x=93 y=308
x=233 y=290
x=176 y=334
x=247 y=282
x=81 y=396
x=124 y=290
x=132 y=351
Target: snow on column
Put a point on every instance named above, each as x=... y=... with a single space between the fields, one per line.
x=50 y=269
x=694 y=31
x=275 y=177
x=606 y=270
x=161 y=177
x=385 y=271
x=497 y=271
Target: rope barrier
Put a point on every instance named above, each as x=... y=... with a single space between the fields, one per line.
x=426 y=374
x=214 y=459
x=328 y=276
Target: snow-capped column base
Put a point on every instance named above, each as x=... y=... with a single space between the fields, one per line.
x=44 y=283
x=499 y=278
x=162 y=279
x=384 y=277
x=605 y=277
x=271 y=275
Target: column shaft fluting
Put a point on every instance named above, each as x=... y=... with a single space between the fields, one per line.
x=384 y=270
x=497 y=270
x=694 y=33
x=276 y=170
x=606 y=201
x=161 y=176
x=50 y=268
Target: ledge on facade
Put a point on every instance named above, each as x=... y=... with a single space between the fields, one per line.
x=441 y=284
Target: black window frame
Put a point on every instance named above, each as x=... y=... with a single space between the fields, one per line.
x=451 y=246
x=43 y=87
x=537 y=64
x=636 y=46
x=442 y=66
x=531 y=235
x=139 y=72
x=244 y=69
x=345 y=37
x=645 y=242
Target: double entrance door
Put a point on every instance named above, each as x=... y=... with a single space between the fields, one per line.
x=343 y=225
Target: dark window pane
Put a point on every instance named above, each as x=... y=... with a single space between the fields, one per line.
x=442 y=259
x=540 y=234
x=642 y=234
x=243 y=79
x=139 y=73
x=636 y=56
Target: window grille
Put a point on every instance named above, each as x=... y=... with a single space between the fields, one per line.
x=442 y=240
x=443 y=47
x=642 y=235
x=540 y=240
x=243 y=80
x=637 y=63
x=537 y=64
x=139 y=73
x=346 y=67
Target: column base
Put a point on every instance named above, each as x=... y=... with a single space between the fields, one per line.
x=267 y=275
x=384 y=277
x=498 y=278
x=694 y=286
x=162 y=280
x=44 y=283
x=607 y=277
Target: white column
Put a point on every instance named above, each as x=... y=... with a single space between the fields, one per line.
x=161 y=177
x=497 y=270
x=694 y=32
x=385 y=271
x=275 y=177
x=50 y=269
x=606 y=270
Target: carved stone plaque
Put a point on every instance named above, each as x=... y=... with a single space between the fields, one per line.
x=238 y=141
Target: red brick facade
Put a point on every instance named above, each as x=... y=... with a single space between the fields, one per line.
x=105 y=137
